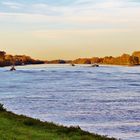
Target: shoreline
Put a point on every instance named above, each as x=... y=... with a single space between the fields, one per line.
x=123 y=60
x=100 y=65
x=23 y=127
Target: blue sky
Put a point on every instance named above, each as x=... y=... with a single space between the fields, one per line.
x=82 y=28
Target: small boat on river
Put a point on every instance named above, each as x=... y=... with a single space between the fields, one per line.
x=13 y=68
x=95 y=65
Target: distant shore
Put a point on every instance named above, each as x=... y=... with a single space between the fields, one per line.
x=123 y=60
x=17 y=127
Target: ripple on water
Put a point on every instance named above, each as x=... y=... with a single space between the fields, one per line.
x=105 y=100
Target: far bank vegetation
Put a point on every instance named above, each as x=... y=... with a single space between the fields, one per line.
x=125 y=59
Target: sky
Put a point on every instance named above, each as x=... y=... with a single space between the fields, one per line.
x=69 y=29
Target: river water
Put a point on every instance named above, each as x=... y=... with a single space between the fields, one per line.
x=103 y=100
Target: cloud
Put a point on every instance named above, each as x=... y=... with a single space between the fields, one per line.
x=79 y=33
x=87 y=14
x=12 y=5
x=39 y=18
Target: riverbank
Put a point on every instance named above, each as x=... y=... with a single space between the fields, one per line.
x=19 y=127
x=124 y=60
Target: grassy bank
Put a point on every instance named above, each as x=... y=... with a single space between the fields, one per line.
x=19 y=127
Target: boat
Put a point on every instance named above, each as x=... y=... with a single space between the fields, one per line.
x=95 y=65
x=72 y=64
x=12 y=68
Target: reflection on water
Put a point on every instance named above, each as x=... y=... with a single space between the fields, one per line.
x=104 y=100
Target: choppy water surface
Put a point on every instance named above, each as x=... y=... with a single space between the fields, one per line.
x=104 y=100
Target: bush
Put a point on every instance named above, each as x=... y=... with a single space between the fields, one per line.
x=31 y=122
x=2 y=108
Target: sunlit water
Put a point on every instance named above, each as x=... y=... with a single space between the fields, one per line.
x=104 y=100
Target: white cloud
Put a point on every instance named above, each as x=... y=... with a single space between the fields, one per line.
x=40 y=5
x=12 y=5
x=87 y=13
